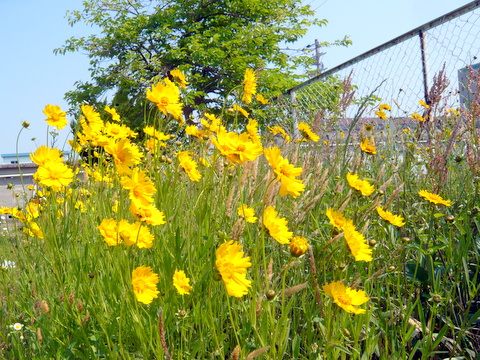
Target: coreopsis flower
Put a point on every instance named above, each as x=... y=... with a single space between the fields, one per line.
x=189 y=165
x=241 y=110
x=261 y=99
x=141 y=188
x=247 y=213
x=298 y=246
x=144 y=238
x=192 y=130
x=252 y=130
x=249 y=86
x=386 y=215
x=232 y=267
x=151 y=131
x=276 y=226
x=54 y=175
x=307 y=131
x=337 y=219
x=345 y=297
x=417 y=117
x=357 y=243
x=125 y=154
x=166 y=96
x=32 y=229
x=91 y=115
x=275 y=130
x=381 y=114
x=424 y=104
x=368 y=146
x=434 y=198
x=144 y=282
x=286 y=173
x=237 y=148
x=44 y=155
x=181 y=282
x=179 y=77
x=109 y=230
x=148 y=214
x=361 y=185
x=118 y=131
x=112 y=112
x=55 y=116
x=212 y=123
x=384 y=107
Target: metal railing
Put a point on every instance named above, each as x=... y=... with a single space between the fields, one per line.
x=399 y=72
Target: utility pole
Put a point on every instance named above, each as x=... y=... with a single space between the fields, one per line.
x=318 y=55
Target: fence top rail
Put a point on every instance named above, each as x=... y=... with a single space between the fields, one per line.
x=415 y=32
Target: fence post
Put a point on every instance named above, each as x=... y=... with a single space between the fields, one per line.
x=424 y=54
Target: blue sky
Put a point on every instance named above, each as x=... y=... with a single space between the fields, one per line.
x=32 y=76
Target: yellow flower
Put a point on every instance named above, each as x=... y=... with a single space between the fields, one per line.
x=424 y=104
x=361 y=185
x=434 y=198
x=151 y=131
x=381 y=114
x=241 y=110
x=384 y=107
x=91 y=115
x=368 y=146
x=189 y=165
x=232 y=267
x=307 y=131
x=55 y=116
x=181 y=282
x=261 y=99
x=276 y=226
x=237 y=148
x=192 y=130
x=124 y=153
x=148 y=214
x=275 y=130
x=337 y=219
x=166 y=96
x=396 y=220
x=298 y=246
x=118 y=131
x=286 y=173
x=249 y=86
x=252 y=130
x=54 y=175
x=140 y=186
x=44 y=155
x=144 y=282
x=33 y=230
x=109 y=230
x=179 y=77
x=417 y=117
x=357 y=243
x=247 y=212
x=346 y=297
x=113 y=112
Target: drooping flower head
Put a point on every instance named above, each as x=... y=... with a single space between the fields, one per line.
x=386 y=215
x=144 y=282
x=276 y=226
x=357 y=243
x=189 y=165
x=286 y=173
x=368 y=146
x=346 y=297
x=232 y=267
x=275 y=130
x=181 y=282
x=249 y=86
x=307 y=132
x=361 y=185
x=434 y=198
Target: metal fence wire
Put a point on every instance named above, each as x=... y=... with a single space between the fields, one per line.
x=399 y=73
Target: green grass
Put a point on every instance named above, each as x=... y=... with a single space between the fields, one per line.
x=73 y=293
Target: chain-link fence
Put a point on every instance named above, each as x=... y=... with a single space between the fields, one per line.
x=400 y=73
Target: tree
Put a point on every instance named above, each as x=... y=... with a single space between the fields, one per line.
x=139 y=42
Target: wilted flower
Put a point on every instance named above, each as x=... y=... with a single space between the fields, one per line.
x=232 y=267
x=346 y=297
x=144 y=282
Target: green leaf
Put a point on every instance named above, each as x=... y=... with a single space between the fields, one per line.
x=416 y=272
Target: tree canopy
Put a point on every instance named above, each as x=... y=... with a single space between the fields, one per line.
x=138 y=42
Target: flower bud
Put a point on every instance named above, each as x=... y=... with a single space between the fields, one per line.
x=270 y=294
x=298 y=246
